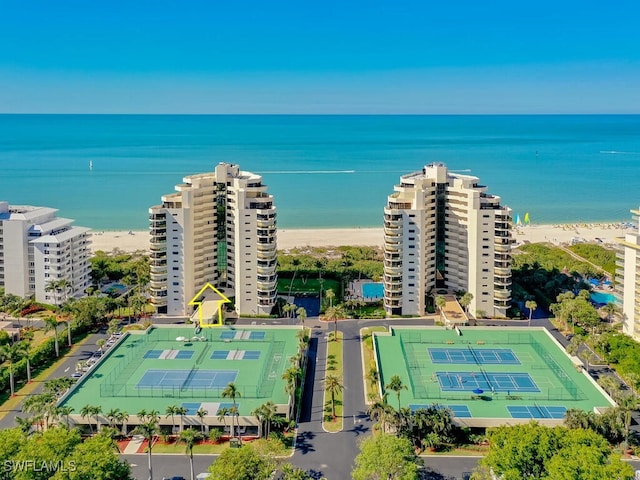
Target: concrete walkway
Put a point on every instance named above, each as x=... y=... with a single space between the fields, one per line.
x=134 y=445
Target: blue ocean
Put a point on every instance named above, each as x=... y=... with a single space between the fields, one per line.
x=324 y=171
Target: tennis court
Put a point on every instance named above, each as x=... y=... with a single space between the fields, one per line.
x=536 y=411
x=168 y=366
x=483 y=371
x=461 y=411
x=471 y=355
x=486 y=381
x=187 y=378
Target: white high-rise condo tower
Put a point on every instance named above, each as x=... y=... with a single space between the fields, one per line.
x=628 y=280
x=444 y=233
x=217 y=228
x=41 y=255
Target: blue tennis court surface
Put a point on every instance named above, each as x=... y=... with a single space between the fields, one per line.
x=242 y=335
x=211 y=408
x=502 y=356
x=187 y=378
x=169 y=354
x=486 y=381
x=458 y=410
x=235 y=355
x=536 y=411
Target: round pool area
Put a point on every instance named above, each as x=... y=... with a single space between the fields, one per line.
x=603 y=298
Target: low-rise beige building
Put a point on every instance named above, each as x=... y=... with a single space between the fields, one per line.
x=444 y=233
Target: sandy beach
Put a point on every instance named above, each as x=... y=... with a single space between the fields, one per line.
x=604 y=233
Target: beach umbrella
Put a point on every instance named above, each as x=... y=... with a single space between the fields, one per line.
x=478 y=391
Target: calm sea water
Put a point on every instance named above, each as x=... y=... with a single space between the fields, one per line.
x=325 y=171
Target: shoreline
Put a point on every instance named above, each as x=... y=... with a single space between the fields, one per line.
x=289 y=238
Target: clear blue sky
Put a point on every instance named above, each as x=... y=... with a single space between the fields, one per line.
x=235 y=56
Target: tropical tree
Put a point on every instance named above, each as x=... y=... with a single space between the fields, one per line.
x=123 y=418
x=182 y=411
x=190 y=437
x=65 y=412
x=395 y=385
x=201 y=413
x=11 y=354
x=148 y=428
x=334 y=314
x=441 y=302
x=232 y=392
x=588 y=356
x=53 y=286
x=465 y=301
x=612 y=310
x=333 y=386
x=112 y=416
x=610 y=384
x=291 y=376
x=24 y=425
x=100 y=344
x=96 y=410
x=222 y=416
x=242 y=464
x=531 y=305
x=301 y=313
x=41 y=406
x=386 y=457
x=51 y=323
x=86 y=412
x=172 y=411
x=330 y=295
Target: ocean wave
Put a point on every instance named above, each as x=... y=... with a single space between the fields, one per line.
x=615 y=152
x=305 y=172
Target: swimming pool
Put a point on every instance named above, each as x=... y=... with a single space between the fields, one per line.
x=372 y=290
x=603 y=298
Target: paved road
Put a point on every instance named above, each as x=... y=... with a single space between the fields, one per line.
x=67 y=367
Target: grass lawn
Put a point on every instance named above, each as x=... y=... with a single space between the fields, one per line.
x=303 y=284
x=334 y=367
x=369 y=359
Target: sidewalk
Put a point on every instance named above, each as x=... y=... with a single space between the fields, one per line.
x=134 y=445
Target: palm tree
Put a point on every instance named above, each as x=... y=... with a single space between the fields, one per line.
x=86 y=412
x=330 y=295
x=610 y=384
x=42 y=406
x=201 y=413
x=96 y=410
x=53 y=286
x=25 y=424
x=190 y=437
x=588 y=357
x=301 y=312
x=232 y=392
x=182 y=411
x=396 y=385
x=148 y=429
x=112 y=416
x=531 y=306
x=100 y=344
x=259 y=414
x=51 y=323
x=611 y=309
x=290 y=376
x=12 y=353
x=334 y=314
x=171 y=411
x=65 y=412
x=28 y=351
x=627 y=404
x=333 y=386
x=465 y=301
x=269 y=413
x=441 y=302
x=63 y=286
x=222 y=416
x=123 y=418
